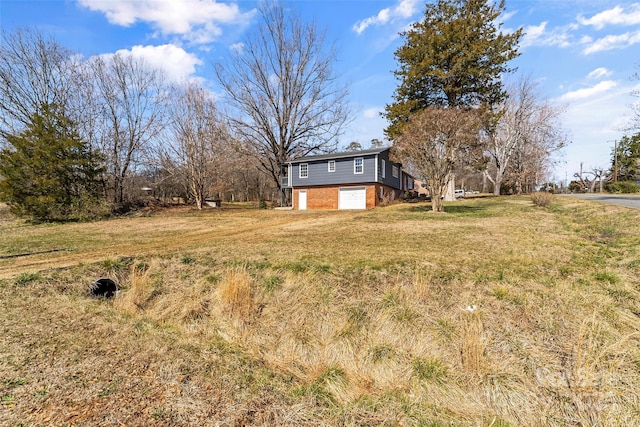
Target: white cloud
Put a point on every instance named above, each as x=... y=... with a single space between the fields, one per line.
x=197 y=20
x=595 y=121
x=403 y=9
x=237 y=47
x=372 y=113
x=615 y=16
x=532 y=34
x=589 y=92
x=613 y=42
x=177 y=64
x=599 y=73
x=538 y=35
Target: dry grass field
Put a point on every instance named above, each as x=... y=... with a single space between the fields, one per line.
x=495 y=313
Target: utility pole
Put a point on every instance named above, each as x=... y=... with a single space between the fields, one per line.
x=615 y=160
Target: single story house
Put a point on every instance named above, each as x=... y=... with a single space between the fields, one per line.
x=347 y=180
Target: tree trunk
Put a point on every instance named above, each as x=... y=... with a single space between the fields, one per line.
x=437 y=204
x=497 y=185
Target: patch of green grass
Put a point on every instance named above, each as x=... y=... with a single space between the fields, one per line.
x=445 y=328
x=13 y=383
x=607 y=277
x=404 y=315
x=7 y=399
x=213 y=278
x=321 y=268
x=381 y=353
x=357 y=316
x=188 y=259
x=272 y=283
x=318 y=389
x=500 y=293
x=111 y=388
x=26 y=278
x=333 y=374
x=295 y=266
x=429 y=370
x=620 y=295
x=318 y=392
x=142 y=266
x=261 y=265
x=113 y=265
x=390 y=300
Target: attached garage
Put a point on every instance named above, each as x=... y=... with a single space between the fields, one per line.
x=352 y=198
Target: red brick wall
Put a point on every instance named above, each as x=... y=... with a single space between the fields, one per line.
x=323 y=198
x=372 y=196
x=318 y=198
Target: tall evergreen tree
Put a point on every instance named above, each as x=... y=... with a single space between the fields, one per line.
x=48 y=171
x=454 y=57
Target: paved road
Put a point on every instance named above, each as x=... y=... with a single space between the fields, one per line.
x=626 y=200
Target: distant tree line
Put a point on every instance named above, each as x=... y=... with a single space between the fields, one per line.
x=89 y=136
x=123 y=132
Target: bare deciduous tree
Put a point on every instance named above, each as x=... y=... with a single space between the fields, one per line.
x=634 y=122
x=527 y=134
x=197 y=140
x=35 y=71
x=286 y=97
x=436 y=142
x=130 y=97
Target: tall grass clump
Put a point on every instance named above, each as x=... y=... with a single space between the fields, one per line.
x=542 y=199
x=471 y=344
x=234 y=293
x=137 y=290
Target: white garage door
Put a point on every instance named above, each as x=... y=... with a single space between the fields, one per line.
x=352 y=198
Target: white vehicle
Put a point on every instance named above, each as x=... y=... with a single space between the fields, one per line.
x=459 y=193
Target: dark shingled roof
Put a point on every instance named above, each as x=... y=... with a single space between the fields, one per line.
x=340 y=155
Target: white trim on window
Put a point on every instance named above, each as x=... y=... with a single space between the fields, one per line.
x=303 y=171
x=383 y=164
x=394 y=171
x=358 y=165
x=331 y=166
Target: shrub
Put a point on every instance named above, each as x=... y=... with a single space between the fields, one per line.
x=624 y=187
x=541 y=199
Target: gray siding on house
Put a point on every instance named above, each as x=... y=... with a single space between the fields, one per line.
x=344 y=174
x=318 y=170
x=389 y=179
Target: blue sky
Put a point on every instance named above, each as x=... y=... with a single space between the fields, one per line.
x=583 y=53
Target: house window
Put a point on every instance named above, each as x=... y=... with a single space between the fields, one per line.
x=332 y=165
x=304 y=170
x=358 y=165
x=383 y=168
x=394 y=171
